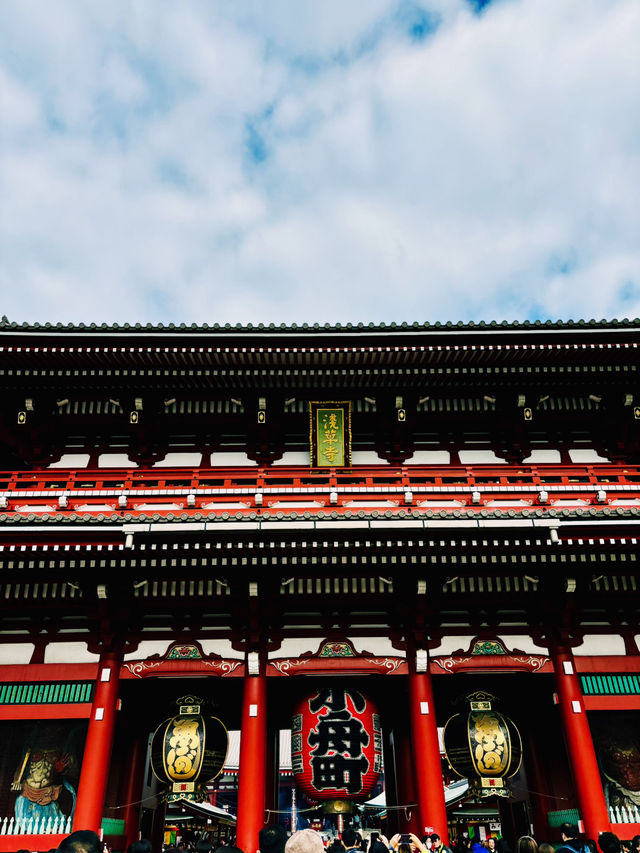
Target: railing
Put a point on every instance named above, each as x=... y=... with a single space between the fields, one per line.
x=622 y=814
x=36 y=826
x=541 y=475
x=288 y=489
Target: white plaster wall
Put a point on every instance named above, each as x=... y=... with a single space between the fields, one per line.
x=452 y=644
x=376 y=645
x=541 y=456
x=366 y=457
x=600 y=644
x=222 y=648
x=231 y=458
x=373 y=504
x=294 y=457
x=480 y=457
x=586 y=455
x=430 y=457
x=115 y=460
x=523 y=642
x=293 y=648
x=177 y=460
x=15 y=653
x=147 y=648
x=72 y=460
x=68 y=653
x=295 y=504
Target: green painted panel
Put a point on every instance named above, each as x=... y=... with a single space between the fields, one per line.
x=46 y=693
x=610 y=685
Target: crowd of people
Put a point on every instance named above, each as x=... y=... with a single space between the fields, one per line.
x=275 y=839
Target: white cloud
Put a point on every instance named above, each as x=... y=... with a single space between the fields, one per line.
x=212 y=162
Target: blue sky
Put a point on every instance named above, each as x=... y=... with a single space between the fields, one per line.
x=298 y=160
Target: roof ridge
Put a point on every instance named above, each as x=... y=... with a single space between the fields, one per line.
x=481 y=325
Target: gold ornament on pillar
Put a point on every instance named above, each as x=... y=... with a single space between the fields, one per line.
x=189 y=750
x=483 y=746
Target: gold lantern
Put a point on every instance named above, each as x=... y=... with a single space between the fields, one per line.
x=189 y=750
x=483 y=746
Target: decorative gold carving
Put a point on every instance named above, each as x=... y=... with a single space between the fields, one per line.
x=532 y=661
x=449 y=664
x=284 y=666
x=390 y=664
x=332 y=649
x=138 y=667
x=226 y=667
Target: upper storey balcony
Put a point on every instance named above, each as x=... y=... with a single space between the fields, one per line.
x=420 y=491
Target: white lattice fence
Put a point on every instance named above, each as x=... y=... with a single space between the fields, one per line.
x=34 y=826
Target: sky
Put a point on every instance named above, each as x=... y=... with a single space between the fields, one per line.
x=253 y=161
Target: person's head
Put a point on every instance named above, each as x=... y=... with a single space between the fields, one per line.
x=378 y=847
x=491 y=843
x=141 y=846
x=337 y=846
x=609 y=842
x=81 y=841
x=305 y=841
x=272 y=838
x=203 y=846
x=350 y=837
x=527 y=844
x=435 y=840
x=635 y=842
x=568 y=831
x=545 y=847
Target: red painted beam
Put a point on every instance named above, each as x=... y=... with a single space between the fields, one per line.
x=72 y=711
x=9 y=843
x=611 y=703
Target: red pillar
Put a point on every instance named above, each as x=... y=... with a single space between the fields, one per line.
x=426 y=750
x=253 y=760
x=582 y=756
x=97 y=751
x=133 y=789
x=390 y=770
x=408 y=819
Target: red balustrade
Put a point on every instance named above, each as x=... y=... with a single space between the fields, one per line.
x=215 y=491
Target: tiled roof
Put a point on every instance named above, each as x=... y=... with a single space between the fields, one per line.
x=309 y=328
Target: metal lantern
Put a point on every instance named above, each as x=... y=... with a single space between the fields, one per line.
x=189 y=750
x=336 y=747
x=483 y=746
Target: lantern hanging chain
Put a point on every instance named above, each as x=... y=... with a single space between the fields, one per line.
x=361 y=805
x=288 y=811
x=549 y=796
x=134 y=803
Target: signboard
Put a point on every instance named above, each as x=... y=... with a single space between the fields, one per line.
x=330 y=434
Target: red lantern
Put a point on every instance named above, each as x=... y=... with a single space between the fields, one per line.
x=336 y=745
